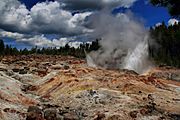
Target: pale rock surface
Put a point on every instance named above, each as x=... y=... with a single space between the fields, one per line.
x=56 y=87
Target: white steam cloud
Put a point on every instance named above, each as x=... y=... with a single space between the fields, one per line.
x=124 y=43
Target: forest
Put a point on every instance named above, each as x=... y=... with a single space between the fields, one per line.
x=164 y=48
x=65 y=50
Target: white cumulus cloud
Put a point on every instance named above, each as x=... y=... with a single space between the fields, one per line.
x=158 y=24
x=42 y=41
x=46 y=17
x=172 y=22
x=31 y=25
x=13 y=35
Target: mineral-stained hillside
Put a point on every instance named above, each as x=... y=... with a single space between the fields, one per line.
x=39 y=87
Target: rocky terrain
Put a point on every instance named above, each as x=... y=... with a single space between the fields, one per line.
x=39 y=87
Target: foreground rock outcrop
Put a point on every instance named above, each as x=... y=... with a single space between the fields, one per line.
x=39 y=87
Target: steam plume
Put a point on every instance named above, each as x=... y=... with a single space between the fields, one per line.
x=124 y=42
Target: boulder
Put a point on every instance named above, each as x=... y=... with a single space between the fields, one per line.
x=115 y=117
x=3 y=67
x=28 y=87
x=15 y=69
x=34 y=113
x=70 y=116
x=22 y=71
x=56 y=67
x=9 y=73
x=133 y=114
x=99 y=116
x=50 y=114
x=167 y=75
x=66 y=67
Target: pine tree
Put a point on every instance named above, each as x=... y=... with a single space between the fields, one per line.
x=2 y=47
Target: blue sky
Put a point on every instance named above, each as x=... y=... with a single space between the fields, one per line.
x=19 y=45
x=150 y=13
x=31 y=3
x=143 y=10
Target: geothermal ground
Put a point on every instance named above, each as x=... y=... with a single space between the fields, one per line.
x=39 y=87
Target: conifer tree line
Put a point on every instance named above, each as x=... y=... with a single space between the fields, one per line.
x=166 y=45
x=65 y=50
x=164 y=49
x=173 y=6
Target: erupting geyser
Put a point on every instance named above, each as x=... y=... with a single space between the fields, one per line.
x=137 y=59
x=124 y=43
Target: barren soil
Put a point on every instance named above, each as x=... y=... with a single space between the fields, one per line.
x=40 y=87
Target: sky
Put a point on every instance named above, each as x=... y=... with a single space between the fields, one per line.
x=53 y=23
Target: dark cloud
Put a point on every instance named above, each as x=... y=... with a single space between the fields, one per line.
x=51 y=17
x=95 y=4
x=30 y=3
x=45 y=18
x=28 y=20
